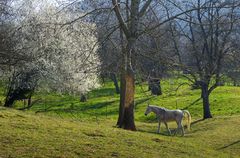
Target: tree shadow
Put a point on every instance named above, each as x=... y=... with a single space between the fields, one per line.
x=153 y=132
x=162 y=132
x=194 y=102
x=96 y=106
x=84 y=109
x=103 y=92
x=226 y=146
x=197 y=121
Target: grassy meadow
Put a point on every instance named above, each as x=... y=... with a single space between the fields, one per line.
x=61 y=126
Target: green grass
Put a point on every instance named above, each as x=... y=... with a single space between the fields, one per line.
x=28 y=135
x=64 y=127
x=103 y=102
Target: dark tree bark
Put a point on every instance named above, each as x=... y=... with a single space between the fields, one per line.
x=9 y=101
x=155 y=86
x=115 y=81
x=17 y=94
x=83 y=98
x=205 y=97
x=234 y=83
x=126 y=111
x=29 y=100
x=102 y=76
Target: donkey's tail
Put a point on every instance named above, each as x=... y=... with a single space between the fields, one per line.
x=189 y=119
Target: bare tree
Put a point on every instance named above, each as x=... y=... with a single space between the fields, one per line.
x=206 y=41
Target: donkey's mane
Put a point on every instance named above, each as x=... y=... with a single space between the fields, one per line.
x=155 y=106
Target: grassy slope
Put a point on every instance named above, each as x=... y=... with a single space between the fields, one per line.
x=26 y=135
x=76 y=129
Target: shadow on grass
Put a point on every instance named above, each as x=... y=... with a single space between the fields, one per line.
x=102 y=92
x=101 y=105
x=102 y=109
x=197 y=121
x=188 y=106
x=163 y=133
x=226 y=146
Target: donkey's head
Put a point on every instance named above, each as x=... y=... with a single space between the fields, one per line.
x=148 y=110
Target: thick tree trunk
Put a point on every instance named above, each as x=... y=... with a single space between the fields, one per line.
x=206 y=104
x=126 y=108
x=115 y=81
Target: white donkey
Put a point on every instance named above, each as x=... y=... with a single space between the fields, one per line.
x=164 y=115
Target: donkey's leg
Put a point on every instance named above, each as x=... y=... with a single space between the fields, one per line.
x=176 y=130
x=182 y=128
x=159 y=125
x=167 y=128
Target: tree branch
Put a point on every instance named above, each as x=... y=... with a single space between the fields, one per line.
x=120 y=18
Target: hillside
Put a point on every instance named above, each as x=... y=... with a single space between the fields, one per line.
x=28 y=135
x=64 y=127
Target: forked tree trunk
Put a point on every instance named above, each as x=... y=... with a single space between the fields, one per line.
x=130 y=30
x=126 y=108
x=206 y=105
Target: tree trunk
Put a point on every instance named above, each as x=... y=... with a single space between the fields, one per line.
x=234 y=82
x=206 y=104
x=126 y=108
x=155 y=87
x=9 y=101
x=115 y=81
x=102 y=76
x=29 y=101
x=83 y=98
